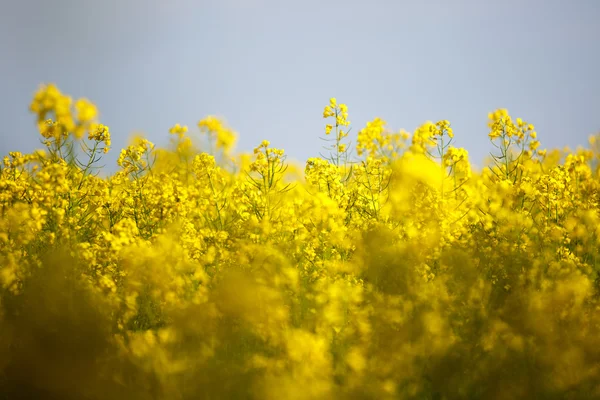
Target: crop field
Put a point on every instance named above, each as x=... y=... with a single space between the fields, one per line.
x=386 y=268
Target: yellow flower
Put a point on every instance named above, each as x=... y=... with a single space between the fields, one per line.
x=178 y=130
x=223 y=136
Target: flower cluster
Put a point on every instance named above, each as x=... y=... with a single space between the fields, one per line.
x=100 y=133
x=132 y=159
x=218 y=132
x=50 y=104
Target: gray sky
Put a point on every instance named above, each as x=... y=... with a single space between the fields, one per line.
x=269 y=67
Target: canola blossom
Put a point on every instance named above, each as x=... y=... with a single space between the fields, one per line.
x=387 y=269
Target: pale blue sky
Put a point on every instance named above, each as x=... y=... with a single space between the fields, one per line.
x=269 y=67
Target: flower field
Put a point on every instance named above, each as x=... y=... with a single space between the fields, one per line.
x=385 y=268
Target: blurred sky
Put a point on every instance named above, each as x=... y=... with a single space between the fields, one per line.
x=269 y=67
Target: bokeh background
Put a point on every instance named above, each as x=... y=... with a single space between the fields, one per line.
x=269 y=67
